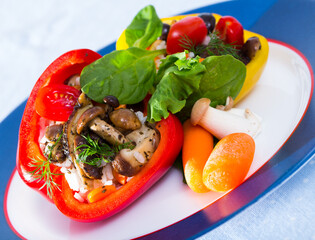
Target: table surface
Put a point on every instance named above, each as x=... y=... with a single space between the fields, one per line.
x=34 y=33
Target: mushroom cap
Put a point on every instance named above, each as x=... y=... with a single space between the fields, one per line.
x=199 y=109
x=88 y=116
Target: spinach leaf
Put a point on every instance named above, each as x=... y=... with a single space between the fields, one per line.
x=144 y=29
x=126 y=74
x=174 y=84
x=224 y=76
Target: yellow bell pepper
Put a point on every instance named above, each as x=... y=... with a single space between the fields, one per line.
x=254 y=68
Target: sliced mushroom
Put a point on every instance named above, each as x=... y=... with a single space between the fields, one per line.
x=88 y=116
x=70 y=130
x=54 y=148
x=83 y=100
x=107 y=132
x=57 y=154
x=74 y=81
x=53 y=132
x=70 y=134
x=125 y=119
x=129 y=162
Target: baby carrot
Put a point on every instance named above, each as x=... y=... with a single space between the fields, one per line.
x=198 y=144
x=100 y=193
x=120 y=178
x=229 y=162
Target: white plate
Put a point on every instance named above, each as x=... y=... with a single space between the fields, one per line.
x=280 y=97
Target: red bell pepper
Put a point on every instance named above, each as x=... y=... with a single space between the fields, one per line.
x=33 y=126
x=163 y=158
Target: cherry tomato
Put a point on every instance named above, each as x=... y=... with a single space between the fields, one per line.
x=56 y=101
x=190 y=28
x=230 y=31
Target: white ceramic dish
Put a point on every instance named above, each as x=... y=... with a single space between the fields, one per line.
x=281 y=98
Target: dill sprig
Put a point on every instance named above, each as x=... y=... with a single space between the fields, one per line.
x=94 y=152
x=188 y=44
x=42 y=172
x=215 y=47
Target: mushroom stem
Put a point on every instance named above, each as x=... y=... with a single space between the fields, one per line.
x=107 y=132
x=222 y=123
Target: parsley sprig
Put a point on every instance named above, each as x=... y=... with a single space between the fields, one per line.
x=95 y=152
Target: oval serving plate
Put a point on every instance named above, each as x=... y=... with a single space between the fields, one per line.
x=281 y=97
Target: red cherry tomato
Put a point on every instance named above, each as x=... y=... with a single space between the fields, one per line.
x=191 y=28
x=56 y=101
x=230 y=31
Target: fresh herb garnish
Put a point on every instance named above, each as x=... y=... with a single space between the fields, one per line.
x=42 y=172
x=188 y=44
x=215 y=47
x=177 y=78
x=94 y=152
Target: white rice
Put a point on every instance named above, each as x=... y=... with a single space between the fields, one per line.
x=73 y=179
x=162 y=45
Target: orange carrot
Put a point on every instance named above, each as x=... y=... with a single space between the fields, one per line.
x=121 y=106
x=229 y=162
x=100 y=193
x=198 y=144
x=120 y=178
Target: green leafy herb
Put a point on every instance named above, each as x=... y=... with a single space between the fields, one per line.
x=144 y=29
x=94 y=153
x=215 y=47
x=177 y=78
x=42 y=172
x=224 y=76
x=188 y=44
x=126 y=74
x=186 y=63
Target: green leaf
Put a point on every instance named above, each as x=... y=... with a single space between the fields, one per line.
x=174 y=85
x=126 y=74
x=187 y=63
x=144 y=29
x=224 y=76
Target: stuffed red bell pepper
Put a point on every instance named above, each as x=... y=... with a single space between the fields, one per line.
x=93 y=158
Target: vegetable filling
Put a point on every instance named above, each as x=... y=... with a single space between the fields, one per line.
x=100 y=145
